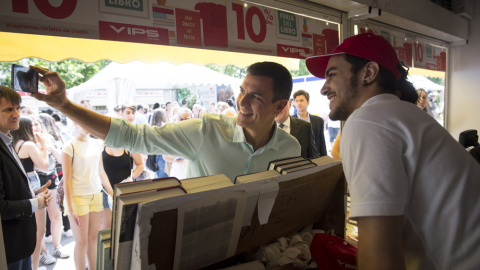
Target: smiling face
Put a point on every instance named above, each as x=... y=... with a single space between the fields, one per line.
x=341 y=88
x=256 y=109
x=9 y=116
x=128 y=114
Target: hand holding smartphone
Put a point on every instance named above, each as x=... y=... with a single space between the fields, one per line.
x=24 y=79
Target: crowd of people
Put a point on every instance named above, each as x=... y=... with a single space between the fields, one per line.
x=409 y=180
x=50 y=146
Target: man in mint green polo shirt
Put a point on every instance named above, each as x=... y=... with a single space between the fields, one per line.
x=213 y=144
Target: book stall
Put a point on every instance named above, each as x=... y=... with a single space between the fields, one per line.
x=263 y=219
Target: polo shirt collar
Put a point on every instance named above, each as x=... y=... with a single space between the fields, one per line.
x=239 y=137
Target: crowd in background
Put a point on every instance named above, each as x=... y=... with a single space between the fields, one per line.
x=91 y=169
x=51 y=147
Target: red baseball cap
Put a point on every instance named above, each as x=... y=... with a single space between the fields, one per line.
x=368 y=46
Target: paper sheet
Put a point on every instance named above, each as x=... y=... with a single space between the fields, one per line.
x=266 y=200
x=208 y=229
x=145 y=213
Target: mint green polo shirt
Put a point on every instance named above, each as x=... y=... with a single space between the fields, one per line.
x=214 y=144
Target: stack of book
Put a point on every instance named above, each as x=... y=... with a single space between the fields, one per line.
x=127 y=197
x=213 y=219
x=103 y=250
x=289 y=165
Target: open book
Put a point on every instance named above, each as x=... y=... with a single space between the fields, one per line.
x=126 y=198
x=129 y=195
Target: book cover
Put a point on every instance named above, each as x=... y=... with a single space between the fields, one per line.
x=298 y=168
x=287 y=166
x=255 y=176
x=274 y=163
x=323 y=160
x=131 y=187
x=199 y=184
x=126 y=217
x=103 y=252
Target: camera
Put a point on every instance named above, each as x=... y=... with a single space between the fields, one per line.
x=24 y=79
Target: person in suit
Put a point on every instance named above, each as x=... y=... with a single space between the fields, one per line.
x=302 y=100
x=298 y=128
x=18 y=201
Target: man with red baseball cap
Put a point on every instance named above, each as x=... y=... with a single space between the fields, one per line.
x=414 y=189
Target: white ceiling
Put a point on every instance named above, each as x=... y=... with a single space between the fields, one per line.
x=419 y=16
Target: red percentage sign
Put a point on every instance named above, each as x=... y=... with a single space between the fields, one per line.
x=268 y=16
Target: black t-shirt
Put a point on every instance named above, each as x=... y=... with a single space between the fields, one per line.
x=117 y=168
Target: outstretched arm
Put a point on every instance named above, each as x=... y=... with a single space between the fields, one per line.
x=56 y=97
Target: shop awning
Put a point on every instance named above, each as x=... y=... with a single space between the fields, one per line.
x=426 y=72
x=14 y=46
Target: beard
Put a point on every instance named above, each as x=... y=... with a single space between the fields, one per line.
x=345 y=102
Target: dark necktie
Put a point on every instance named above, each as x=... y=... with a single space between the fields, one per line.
x=281 y=126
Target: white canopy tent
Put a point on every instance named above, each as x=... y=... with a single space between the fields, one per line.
x=122 y=80
x=420 y=81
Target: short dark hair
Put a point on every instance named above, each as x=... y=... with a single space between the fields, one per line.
x=301 y=93
x=131 y=106
x=184 y=101
x=282 y=79
x=24 y=131
x=10 y=95
x=386 y=79
x=56 y=117
x=406 y=88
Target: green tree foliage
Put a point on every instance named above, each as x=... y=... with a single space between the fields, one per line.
x=74 y=72
x=229 y=70
x=186 y=94
x=302 y=69
x=437 y=80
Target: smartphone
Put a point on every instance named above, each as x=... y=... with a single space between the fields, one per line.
x=24 y=79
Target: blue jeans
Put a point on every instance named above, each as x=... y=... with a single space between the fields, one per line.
x=24 y=264
x=332 y=133
x=160 y=173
